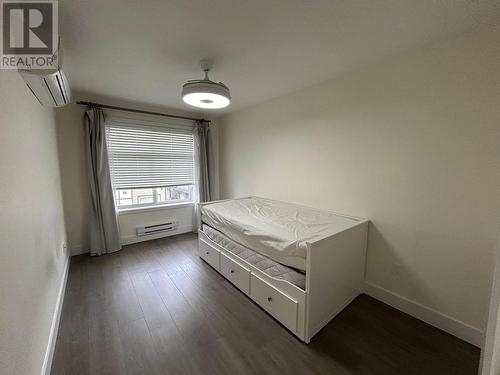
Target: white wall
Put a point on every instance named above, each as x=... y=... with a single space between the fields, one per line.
x=411 y=143
x=71 y=137
x=76 y=195
x=32 y=253
x=129 y=221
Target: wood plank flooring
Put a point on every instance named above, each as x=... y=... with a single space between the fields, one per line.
x=156 y=308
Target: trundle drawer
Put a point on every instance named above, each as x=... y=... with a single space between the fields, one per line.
x=235 y=273
x=278 y=304
x=210 y=255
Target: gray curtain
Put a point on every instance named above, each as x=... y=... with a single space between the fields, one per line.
x=104 y=234
x=204 y=178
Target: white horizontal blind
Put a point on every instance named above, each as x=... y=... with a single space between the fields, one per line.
x=146 y=157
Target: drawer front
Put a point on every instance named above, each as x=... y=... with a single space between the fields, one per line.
x=279 y=305
x=235 y=273
x=210 y=255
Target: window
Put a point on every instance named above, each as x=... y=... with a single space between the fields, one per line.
x=150 y=165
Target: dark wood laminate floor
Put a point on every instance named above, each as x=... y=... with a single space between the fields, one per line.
x=156 y=308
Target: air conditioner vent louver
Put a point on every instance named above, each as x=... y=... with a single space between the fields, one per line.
x=50 y=88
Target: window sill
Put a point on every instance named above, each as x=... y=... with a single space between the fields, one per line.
x=137 y=210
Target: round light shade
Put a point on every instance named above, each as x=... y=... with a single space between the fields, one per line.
x=206 y=94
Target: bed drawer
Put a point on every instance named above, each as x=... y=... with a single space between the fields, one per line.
x=209 y=255
x=235 y=273
x=278 y=304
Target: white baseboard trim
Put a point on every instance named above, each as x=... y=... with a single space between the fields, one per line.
x=130 y=239
x=56 y=317
x=435 y=318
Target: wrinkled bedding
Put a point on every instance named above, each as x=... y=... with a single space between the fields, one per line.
x=281 y=231
x=266 y=265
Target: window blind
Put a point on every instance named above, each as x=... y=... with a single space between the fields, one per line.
x=146 y=157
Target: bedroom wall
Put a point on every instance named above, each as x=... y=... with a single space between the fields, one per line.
x=412 y=143
x=33 y=256
x=75 y=189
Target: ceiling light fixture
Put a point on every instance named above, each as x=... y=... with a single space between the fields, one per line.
x=204 y=93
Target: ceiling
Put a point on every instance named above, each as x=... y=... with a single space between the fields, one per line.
x=143 y=51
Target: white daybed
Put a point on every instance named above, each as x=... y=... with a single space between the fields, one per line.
x=264 y=247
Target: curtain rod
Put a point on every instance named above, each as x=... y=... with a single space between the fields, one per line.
x=90 y=104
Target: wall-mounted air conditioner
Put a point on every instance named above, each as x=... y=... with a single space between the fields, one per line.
x=51 y=88
x=157 y=228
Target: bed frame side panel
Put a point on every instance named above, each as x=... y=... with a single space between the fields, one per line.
x=335 y=275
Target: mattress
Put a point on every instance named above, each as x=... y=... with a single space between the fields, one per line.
x=281 y=231
x=266 y=265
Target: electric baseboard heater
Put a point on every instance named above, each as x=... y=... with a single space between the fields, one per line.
x=157 y=228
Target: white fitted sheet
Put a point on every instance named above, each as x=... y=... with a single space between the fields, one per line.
x=281 y=231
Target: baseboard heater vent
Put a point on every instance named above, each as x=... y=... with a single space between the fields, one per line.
x=157 y=228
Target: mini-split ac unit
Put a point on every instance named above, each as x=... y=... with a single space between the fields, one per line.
x=157 y=228
x=51 y=88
